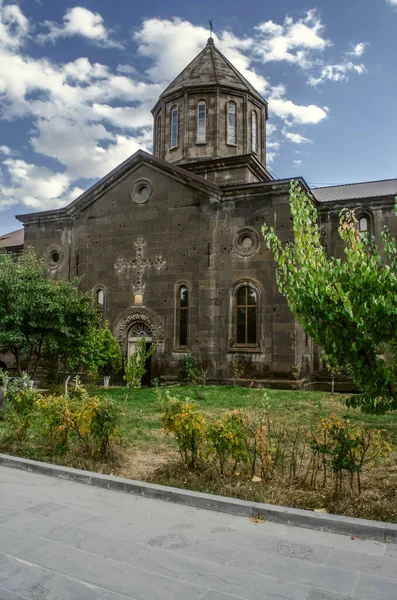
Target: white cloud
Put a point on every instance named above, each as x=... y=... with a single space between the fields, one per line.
x=39 y=187
x=6 y=150
x=392 y=2
x=338 y=72
x=14 y=26
x=90 y=118
x=81 y=22
x=297 y=162
x=296 y=138
x=358 y=50
x=294 y=41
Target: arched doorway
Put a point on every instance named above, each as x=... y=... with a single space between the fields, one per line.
x=136 y=322
x=139 y=330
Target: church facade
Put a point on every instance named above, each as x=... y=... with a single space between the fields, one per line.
x=170 y=244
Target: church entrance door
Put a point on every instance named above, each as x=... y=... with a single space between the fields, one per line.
x=139 y=330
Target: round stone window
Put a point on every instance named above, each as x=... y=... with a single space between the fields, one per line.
x=246 y=242
x=141 y=191
x=54 y=257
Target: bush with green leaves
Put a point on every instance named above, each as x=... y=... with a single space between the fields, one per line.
x=20 y=401
x=348 y=306
x=93 y=421
x=226 y=437
x=188 y=367
x=182 y=419
x=134 y=366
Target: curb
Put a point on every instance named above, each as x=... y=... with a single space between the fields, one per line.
x=363 y=528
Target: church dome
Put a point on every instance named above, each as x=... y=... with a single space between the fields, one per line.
x=210 y=112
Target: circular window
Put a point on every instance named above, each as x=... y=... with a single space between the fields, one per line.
x=141 y=191
x=54 y=257
x=246 y=242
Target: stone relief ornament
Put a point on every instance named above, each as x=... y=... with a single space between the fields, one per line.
x=139 y=265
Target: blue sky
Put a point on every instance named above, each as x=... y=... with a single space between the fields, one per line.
x=78 y=79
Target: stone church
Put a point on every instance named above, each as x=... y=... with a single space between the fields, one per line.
x=170 y=244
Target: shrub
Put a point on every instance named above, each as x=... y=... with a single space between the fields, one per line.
x=20 y=403
x=188 y=367
x=135 y=365
x=227 y=438
x=182 y=418
x=94 y=420
x=339 y=446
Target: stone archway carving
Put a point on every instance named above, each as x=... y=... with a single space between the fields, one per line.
x=128 y=318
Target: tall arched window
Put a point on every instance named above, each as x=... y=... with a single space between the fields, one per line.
x=182 y=316
x=174 y=127
x=231 y=122
x=246 y=304
x=100 y=300
x=254 y=131
x=201 y=122
x=158 y=136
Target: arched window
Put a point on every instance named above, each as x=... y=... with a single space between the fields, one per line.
x=201 y=122
x=231 y=122
x=182 y=316
x=246 y=305
x=174 y=127
x=254 y=131
x=100 y=300
x=158 y=136
x=363 y=225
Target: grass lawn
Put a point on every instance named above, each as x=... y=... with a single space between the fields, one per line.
x=148 y=453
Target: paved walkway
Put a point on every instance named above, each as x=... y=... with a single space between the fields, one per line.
x=68 y=541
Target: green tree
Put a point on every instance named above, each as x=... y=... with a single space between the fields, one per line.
x=348 y=306
x=37 y=315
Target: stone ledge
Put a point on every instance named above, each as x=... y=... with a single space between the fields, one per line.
x=374 y=530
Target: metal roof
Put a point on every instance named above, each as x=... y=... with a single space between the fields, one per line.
x=355 y=191
x=15 y=238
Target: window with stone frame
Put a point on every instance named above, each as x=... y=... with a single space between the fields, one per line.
x=174 y=127
x=182 y=316
x=231 y=123
x=201 y=137
x=246 y=303
x=254 y=131
x=100 y=300
x=363 y=224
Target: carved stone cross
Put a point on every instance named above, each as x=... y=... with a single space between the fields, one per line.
x=139 y=265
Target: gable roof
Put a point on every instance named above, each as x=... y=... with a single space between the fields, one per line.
x=99 y=188
x=211 y=67
x=12 y=239
x=356 y=191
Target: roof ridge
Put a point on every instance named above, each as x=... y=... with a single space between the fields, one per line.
x=325 y=187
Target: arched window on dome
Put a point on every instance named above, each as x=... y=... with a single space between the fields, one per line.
x=174 y=127
x=231 y=122
x=158 y=136
x=254 y=131
x=201 y=122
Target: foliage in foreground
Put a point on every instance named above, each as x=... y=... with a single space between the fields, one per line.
x=270 y=447
x=135 y=364
x=88 y=423
x=349 y=306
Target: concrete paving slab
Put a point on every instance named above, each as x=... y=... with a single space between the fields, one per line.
x=64 y=540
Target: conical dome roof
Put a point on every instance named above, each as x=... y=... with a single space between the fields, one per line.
x=211 y=67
